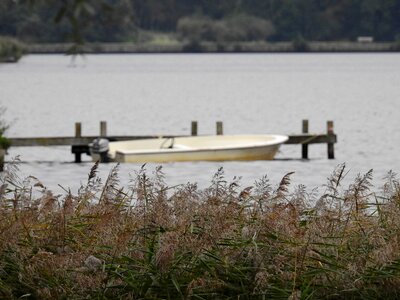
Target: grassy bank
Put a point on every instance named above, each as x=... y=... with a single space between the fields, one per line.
x=11 y=50
x=150 y=241
x=175 y=46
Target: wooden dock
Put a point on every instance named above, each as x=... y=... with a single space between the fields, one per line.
x=80 y=144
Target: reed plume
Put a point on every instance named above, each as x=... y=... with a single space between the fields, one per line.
x=151 y=241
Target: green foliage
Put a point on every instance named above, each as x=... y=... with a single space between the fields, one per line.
x=4 y=142
x=234 y=28
x=277 y=20
x=193 y=46
x=11 y=50
x=67 y=21
x=396 y=45
x=300 y=44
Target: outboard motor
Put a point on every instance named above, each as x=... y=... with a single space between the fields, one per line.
x=99 y=150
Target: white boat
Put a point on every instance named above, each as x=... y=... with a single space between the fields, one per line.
x=194 y=148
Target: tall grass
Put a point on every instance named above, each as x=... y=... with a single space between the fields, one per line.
x=151 y=241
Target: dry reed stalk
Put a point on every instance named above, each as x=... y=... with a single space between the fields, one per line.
x=222 y=242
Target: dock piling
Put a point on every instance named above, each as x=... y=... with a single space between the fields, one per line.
x=194 y=128
x=304 y=147
x=78 y=129
x=103 y=129
x=330 y=133
x=220 y=128
x=78 y=134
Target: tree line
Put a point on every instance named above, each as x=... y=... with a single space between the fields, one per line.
x=223 y=20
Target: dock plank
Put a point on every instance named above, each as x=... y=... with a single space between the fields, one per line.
x=69 y=141
x=312 y=139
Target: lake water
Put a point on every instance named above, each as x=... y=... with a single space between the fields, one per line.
x=251 y=93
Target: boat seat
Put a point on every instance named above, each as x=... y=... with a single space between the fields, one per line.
x=180 y=146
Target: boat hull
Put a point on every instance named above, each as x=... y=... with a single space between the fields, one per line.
x=201 y=148
x=261 y=153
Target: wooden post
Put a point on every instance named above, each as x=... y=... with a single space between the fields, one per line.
x=220 y=126
x=103 y=129
x=329 y=131
x=194 y=128
x=78 y=129
x=78 y=134
x=304 y=147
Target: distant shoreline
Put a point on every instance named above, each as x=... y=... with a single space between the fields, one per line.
x=210 y=47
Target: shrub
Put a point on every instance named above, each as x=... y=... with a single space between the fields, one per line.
x=193 y=46
x=396 y=45
x=11 y=50
x=195 y=28
x=240 y=27
x=300 y=44
x=244 y=27
x=4 y=142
